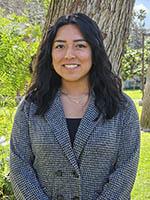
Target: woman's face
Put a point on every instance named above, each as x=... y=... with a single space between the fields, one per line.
x=71 y=54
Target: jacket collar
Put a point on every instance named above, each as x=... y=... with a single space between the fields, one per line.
x=56 y=119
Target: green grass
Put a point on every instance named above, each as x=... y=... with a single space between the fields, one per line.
x=141 y=190
x=134 y=94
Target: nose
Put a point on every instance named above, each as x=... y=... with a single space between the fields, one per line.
x=70 y=53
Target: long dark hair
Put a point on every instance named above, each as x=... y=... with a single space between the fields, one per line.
x=46 y=82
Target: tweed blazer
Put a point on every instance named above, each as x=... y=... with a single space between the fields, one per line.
x=101 y=165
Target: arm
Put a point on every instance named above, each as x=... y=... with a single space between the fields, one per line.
x=122 y=179
x=23 y=177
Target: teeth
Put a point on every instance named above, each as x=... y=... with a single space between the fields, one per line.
x=71 y=66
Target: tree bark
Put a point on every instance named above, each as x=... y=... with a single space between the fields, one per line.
x=145 y=117
x=112 y=16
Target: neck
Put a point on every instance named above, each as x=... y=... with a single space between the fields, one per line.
x=74 y=89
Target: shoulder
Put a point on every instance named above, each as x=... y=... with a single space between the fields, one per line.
x=23 y=108
x=128 y=109
x=128 y=102
x=23 y=104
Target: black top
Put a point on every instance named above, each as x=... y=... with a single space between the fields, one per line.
x=73 y=124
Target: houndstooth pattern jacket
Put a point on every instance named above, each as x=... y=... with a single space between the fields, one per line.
x=101 y=165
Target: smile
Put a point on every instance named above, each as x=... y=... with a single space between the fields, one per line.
x=71 y=66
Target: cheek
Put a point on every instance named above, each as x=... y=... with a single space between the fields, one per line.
x=86 y=56
x=56 y=57
x=88 y=60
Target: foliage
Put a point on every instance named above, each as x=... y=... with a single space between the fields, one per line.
x=131 y=62
x=131 y=65
x=44 y=2
x=137 y=27
x=6 y=120
x=19 y=40
x=18 y=43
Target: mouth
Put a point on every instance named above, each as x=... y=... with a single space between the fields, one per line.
x=71 y=66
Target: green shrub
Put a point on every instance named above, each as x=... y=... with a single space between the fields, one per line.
x=6 y=121
x=19 y=40
x=18 y=43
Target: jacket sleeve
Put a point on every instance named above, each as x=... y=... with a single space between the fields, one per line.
x=23 y=178
x=122 y=179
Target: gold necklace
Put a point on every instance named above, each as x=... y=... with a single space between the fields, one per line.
x=77 y=100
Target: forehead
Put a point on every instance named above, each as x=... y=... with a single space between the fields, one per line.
x=69 y=31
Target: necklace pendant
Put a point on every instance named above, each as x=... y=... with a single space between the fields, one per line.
x=78 y=100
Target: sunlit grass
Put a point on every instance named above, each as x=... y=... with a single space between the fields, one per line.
x=134 y=94
x=141 y=190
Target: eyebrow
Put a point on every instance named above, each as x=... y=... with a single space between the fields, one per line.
x=78 y=40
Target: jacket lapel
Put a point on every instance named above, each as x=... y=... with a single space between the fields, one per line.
x=86 y=127
x=56 y=119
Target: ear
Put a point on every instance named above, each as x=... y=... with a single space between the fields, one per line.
x=104 y=35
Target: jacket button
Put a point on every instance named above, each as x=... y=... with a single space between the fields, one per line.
x=75 y=198
x=75 y=174
x=58 y=173
x=60 y=197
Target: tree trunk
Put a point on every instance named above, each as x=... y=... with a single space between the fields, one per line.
x=112 y=16
x=145 y=117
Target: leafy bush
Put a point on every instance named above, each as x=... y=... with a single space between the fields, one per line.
x=6 y=119
x=131 y=62
x=19 y=40
x=18 y=43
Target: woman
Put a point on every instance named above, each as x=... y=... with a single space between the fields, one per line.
x=75 y=135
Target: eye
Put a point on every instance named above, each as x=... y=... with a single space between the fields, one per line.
x=59 y=46
x=80 y=46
